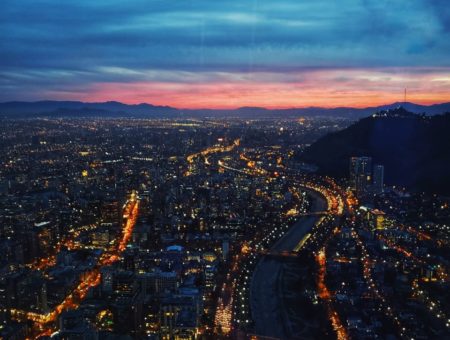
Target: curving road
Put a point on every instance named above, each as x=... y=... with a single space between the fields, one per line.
x=265 y=294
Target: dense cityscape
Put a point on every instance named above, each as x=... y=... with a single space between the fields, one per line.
x=231 y=170
x=185 y=229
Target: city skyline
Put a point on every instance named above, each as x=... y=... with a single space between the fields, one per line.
x=201 y=170
x=215 y=55
x=229 y=228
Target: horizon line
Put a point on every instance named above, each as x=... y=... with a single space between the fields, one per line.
x=362 y=107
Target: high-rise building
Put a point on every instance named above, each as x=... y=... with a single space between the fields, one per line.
x=158 y=282
x=352 y=171
x=225 y=248
x=378 y=179
x=361 y=174
x=107 y=279
x=377 y=219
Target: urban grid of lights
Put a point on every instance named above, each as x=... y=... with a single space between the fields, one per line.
x=44 y=323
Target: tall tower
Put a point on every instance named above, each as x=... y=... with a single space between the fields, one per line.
x=225 y=248
x=352 y=172
x=378 y=179
x=361 y=174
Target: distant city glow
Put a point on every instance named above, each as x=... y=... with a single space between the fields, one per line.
x=224 y=169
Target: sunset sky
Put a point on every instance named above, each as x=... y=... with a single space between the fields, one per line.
x=226 y=54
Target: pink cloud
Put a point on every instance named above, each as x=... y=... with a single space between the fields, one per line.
x=327 y=88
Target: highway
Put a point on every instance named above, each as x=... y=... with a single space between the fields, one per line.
x=265 y=296
x=44 y=323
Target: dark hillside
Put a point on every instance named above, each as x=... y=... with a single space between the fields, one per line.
x=414 y=149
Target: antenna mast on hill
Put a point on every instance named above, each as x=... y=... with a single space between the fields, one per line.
x=404 y=98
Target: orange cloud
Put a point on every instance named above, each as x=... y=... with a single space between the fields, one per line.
x=325 y=88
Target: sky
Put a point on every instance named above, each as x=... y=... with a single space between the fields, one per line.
x=226 y=54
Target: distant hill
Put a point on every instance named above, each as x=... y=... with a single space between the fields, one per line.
x=115 y=109
x=76 y=108
x=414 y=149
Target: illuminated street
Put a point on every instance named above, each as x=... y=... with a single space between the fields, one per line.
x=44 y=324
x=226 y=236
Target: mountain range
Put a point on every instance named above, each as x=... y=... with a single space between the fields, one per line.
x=414 y=149
x=117 y=109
